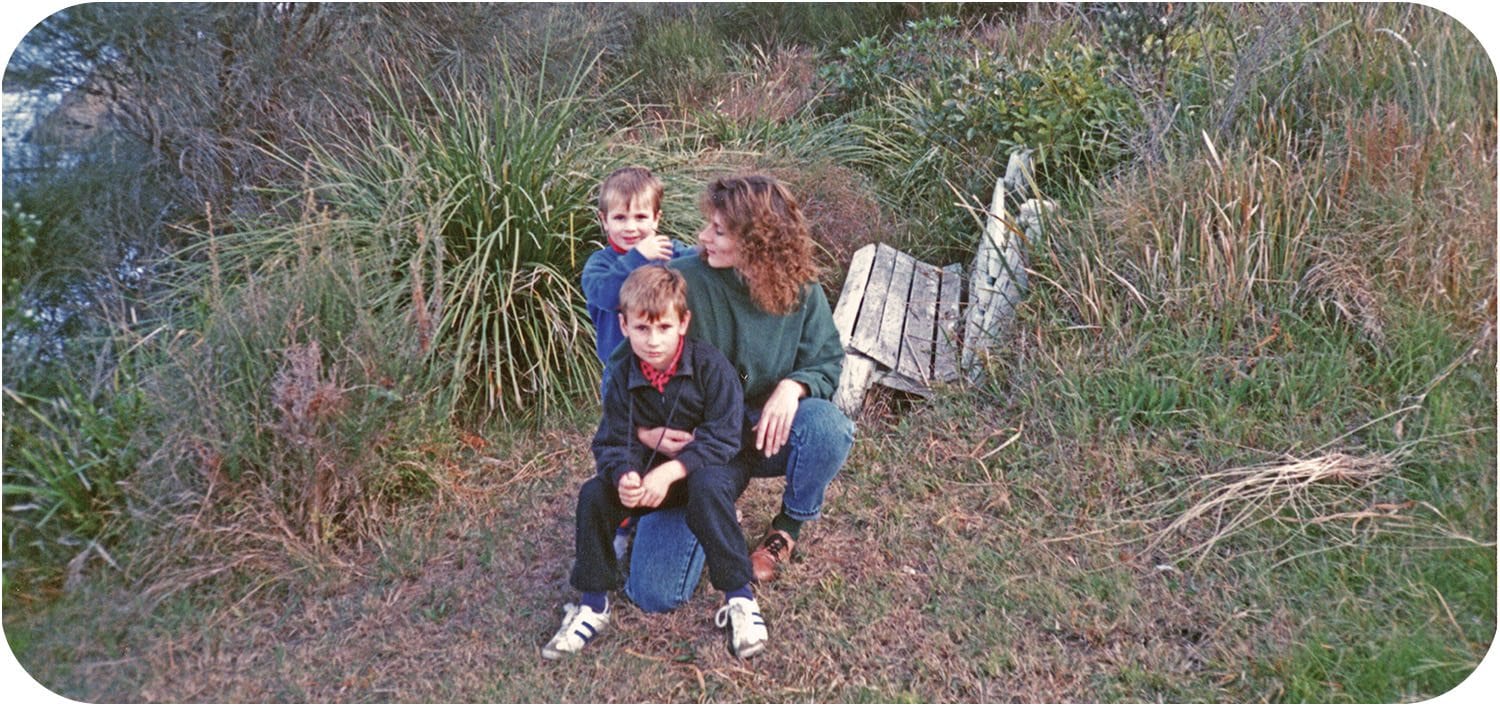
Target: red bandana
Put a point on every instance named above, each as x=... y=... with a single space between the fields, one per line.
x=659 y=379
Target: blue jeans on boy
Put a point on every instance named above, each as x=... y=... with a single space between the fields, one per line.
x=667 y=560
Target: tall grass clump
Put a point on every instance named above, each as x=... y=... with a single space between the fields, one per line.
x=480 y=198
x=299 y=408
x=67 y=459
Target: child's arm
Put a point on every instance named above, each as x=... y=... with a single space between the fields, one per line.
x=716 y=440
x=612 y=444
x=605 y=272
x=664 y=440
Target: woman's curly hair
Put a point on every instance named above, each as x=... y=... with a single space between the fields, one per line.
x=776 y=250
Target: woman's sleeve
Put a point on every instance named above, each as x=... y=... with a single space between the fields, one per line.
x=820 y=355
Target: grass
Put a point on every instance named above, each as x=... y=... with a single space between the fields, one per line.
x=1240 y=449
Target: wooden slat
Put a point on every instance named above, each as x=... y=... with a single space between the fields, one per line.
x=891 y=379
x=855 y=379
x=915 y=359
x=872 y=306
x=893 y=319
x=945 y=360
x=847 y=309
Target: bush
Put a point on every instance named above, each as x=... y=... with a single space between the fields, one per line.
x=65 y=460
x=480 y=200
x=298 y=403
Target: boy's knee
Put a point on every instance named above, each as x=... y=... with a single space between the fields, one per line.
x=713 y=483
x=594 y=494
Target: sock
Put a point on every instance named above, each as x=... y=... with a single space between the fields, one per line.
x=791 y=526
x=742 y=592
x=596 y=601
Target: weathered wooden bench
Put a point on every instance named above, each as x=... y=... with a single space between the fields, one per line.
x=900 y=318
x=899 y=322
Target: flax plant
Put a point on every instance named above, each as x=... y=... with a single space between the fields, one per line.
x=484 y=191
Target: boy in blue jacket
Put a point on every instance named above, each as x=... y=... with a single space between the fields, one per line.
x=629 y=211
x=667 y=381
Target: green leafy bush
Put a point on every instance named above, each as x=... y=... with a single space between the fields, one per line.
x=480 y=198
x=65 y=458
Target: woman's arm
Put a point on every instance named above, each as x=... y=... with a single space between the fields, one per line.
x=820 y=353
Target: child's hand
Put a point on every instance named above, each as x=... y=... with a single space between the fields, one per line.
x=666 y=441
x=655 y=484
x=631 y=489
x=655 y=248
x=653 y=490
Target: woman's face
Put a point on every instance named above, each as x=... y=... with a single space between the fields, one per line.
x=720 y=248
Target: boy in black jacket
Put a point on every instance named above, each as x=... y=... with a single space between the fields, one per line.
x=673 y=382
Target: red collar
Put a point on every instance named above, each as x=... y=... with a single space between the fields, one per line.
x=617 y=248
x=659 y=378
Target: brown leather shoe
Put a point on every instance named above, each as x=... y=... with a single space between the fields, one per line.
x=766 y=559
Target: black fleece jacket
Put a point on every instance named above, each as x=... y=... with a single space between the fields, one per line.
x=704 y=397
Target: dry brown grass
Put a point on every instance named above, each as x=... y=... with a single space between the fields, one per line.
x=772 y=85
x=1319 y=504
x=1338 y=281
x=915 y=586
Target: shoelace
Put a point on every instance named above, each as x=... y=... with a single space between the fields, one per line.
x=775 y=544
x=721 y=618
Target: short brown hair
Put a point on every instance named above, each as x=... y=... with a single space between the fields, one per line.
x=652 y=290
x=628 y=184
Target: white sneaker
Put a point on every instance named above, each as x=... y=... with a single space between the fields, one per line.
x=580 y=625
x=747 y=629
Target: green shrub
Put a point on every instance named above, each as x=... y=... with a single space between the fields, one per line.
x=65 y=460
x=479 y=200
x=298 y=401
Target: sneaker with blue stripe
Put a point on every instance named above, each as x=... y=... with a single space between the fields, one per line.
x=747 y=629
x=580 y=625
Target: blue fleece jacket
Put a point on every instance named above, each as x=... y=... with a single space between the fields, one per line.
x=603 y=274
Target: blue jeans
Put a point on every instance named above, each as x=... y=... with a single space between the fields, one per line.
x=667 y=559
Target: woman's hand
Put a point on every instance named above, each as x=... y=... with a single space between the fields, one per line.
x=775 y=424
x=666 y=441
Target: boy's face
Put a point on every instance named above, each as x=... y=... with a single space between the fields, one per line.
x=655 y=341
x=626 y=224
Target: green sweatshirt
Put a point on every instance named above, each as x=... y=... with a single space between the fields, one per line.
x=764 y=348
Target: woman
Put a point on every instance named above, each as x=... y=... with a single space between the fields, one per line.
x=753 y=292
